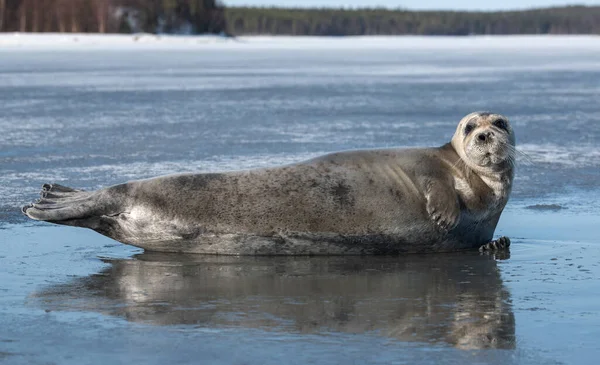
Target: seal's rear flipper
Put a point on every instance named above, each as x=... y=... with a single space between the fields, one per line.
x=502 y=243
x=61 y=204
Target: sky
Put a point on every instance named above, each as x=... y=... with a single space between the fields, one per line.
x=417 y=4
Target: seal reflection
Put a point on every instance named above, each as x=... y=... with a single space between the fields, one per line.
x=456 y=299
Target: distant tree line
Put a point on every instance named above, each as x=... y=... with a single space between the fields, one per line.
x=339 y=22
x=112 y=16
x=210 y=16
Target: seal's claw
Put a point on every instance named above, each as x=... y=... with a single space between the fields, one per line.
x=501 y=243
x=24 y=209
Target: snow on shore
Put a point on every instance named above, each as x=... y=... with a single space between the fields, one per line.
x=62 y=41
x=75 y=41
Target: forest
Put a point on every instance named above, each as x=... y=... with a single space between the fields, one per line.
x=211 y=16
x=339 y=22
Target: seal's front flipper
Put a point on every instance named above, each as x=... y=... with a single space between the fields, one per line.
x=502 y=243
x=59 y=204
x=442 y=205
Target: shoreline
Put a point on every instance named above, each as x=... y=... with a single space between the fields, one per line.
x=86 y=41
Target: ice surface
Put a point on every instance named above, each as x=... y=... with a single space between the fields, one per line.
x=105 y=109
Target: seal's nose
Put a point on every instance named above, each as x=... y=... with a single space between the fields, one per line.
x=484 y=136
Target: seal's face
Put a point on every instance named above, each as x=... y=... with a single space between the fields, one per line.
x=485 y=141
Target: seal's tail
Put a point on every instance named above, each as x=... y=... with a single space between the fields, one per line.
x=60 y=204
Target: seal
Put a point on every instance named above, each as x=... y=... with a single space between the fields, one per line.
x=381 y=201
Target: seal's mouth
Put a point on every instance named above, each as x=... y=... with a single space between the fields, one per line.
x=490 y=156
x=496 y=158
x=487 y=160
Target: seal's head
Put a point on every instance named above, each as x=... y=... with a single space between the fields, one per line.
x=485 y=141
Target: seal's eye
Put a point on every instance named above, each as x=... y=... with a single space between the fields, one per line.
x=500 y=123
x=469 y=128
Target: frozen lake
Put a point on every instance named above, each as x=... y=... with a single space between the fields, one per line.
x=89 y=112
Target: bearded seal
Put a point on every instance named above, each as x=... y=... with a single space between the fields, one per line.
x=382 y=201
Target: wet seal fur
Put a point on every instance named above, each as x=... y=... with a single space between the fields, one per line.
x=384 y=201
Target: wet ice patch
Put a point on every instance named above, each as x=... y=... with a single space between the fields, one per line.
x=567 y=156
x=545 y=207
